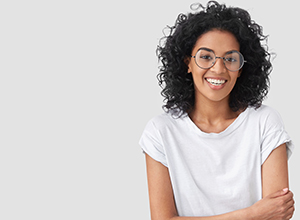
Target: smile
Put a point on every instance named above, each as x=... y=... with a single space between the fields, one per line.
x=216 y=82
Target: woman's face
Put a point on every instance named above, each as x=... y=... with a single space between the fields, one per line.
x=216 y=83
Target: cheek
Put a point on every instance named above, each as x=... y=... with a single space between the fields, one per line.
x=233 y=82
x=198 y=76
x=198 y=79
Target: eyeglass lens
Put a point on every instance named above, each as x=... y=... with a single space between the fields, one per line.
x=233 y=60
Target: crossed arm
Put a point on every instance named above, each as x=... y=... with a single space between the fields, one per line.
x=277 y=202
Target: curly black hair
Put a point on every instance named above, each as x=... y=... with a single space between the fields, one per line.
x=178 y=86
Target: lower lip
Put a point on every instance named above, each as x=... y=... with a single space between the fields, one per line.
x=215 y=87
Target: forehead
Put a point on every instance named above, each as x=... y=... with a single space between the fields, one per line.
x=218 y=41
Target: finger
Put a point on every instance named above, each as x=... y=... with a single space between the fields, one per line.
x=290 y=212
x=288 y=197
x=290 y=203
x=292 y=194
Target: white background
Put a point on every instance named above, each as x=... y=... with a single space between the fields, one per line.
x=78 y=85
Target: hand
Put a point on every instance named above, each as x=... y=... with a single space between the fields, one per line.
x=276 y=206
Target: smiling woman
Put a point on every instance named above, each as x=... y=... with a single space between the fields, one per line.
x=217 y=152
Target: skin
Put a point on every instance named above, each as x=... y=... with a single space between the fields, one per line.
x=214 y=115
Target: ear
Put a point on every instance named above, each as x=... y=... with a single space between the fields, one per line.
x=187 y=61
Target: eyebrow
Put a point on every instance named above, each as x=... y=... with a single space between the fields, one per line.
x=205 y=48
x=208 y=49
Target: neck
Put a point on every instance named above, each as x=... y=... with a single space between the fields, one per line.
x=210 y=112
x=213 y=117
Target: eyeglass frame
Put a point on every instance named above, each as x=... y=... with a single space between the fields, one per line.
x=223 y=58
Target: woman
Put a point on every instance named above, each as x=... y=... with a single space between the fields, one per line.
x=217 y=152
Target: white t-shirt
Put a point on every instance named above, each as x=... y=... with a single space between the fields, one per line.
x=215 y=173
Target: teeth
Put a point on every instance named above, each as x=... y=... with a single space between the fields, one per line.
x=216 y=82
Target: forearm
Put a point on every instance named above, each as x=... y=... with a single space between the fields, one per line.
x=235 y=215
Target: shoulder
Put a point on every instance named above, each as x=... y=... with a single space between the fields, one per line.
x=267 y=119
x=158 y=131
x=165 y=121
x=265 y=113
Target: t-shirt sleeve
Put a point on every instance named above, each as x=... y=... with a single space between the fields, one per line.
x=274 y=135
x=151 y=143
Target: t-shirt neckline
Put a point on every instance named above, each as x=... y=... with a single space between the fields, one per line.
x=233 y=126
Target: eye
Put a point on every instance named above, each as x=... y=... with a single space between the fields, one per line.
x=206 y=57
x=230 y=59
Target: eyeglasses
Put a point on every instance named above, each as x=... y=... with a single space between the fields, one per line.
x=206 y=58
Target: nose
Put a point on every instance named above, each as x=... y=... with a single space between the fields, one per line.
x=219 y=66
